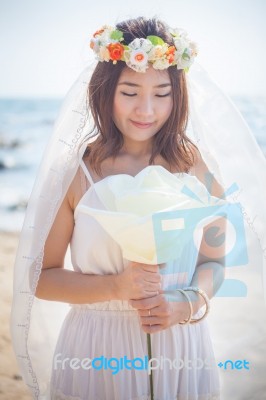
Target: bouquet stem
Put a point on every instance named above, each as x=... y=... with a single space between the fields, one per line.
x=150 y=356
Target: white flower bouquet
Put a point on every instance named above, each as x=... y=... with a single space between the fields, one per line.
x=153 y=215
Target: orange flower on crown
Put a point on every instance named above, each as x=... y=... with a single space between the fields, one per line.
x=170 y=54
x=99 y=32
x=116 y=51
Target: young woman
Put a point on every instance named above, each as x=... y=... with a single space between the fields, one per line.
x=138 y=101
x=141 y=119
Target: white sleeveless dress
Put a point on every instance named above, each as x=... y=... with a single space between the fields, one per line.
x=111 y=332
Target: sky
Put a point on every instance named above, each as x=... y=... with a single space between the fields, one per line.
x=44 y=44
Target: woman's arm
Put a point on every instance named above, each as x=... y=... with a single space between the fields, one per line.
x=59 y=284
x=210 y=268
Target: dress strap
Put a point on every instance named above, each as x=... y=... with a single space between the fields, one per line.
x=86 y=172
x=83 y=181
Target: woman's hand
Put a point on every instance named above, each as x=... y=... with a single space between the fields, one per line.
x=138 y=281
x=158 y=313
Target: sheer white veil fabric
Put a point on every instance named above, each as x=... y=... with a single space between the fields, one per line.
x=35 y=323
x=238 y=317
x=232 y=156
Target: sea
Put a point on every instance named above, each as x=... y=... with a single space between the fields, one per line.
x=25 y=126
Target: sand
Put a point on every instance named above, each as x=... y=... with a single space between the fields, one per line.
x=11 y=385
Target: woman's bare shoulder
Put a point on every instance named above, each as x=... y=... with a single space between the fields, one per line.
x=201 y=171
x=77 y=188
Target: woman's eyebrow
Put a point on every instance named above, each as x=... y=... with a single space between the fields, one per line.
x=162 y=85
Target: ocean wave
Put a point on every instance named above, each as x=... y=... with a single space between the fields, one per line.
x=11 y=163
x=6 y=143
x=19 y=206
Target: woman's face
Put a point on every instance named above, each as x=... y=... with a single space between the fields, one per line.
x=142 y=103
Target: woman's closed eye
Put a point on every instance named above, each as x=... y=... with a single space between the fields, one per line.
x=129 y=94
x=135 y=94
x=164 y=95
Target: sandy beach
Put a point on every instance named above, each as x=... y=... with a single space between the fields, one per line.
x=11 y=385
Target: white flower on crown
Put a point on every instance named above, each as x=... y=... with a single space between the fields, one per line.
x=186 y=59
x=137 y=60
x=136 y=56
x=103 y=54
x=179 y=33
x=161 y=63
x=181 y=41
x=104 y=37
x=95 y=45
x=194 y=47
x=157 y=52
x=180 y=44
x=141 y=44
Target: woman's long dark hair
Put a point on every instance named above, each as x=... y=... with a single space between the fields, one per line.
x=170 y=141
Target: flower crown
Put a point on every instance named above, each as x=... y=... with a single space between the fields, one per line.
x=106 y=43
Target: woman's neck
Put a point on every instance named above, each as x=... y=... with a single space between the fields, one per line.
x=136 y=150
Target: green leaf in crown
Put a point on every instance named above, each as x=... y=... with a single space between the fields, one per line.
x=155 y=40
x=185 y=55
x=117 y=35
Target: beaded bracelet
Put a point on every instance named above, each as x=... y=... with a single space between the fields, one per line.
x=206 y=299
x=186 y=321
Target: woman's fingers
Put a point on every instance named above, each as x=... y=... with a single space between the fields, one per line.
x=154 y=269
x=139 y=281
x=153 y=278
x=151 y=286
x=146 y=278
x=148 y=303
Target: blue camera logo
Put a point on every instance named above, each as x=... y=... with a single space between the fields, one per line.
x=216 y=231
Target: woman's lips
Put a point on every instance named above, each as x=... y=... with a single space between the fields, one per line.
x=142 y=125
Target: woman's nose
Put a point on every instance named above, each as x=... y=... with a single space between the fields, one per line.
x=145 y=107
